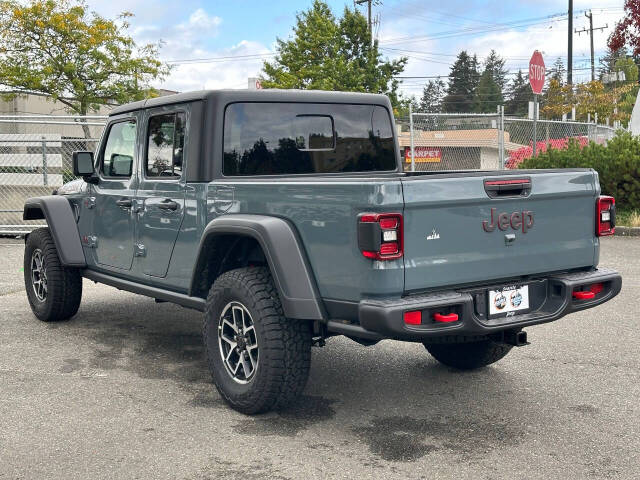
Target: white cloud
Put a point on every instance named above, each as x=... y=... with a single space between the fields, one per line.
x=201 y=21
x=220 y=73
x=187 y=43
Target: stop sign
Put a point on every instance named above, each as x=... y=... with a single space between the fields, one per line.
x=536 y=72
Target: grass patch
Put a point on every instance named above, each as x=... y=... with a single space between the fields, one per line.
x=628 y=218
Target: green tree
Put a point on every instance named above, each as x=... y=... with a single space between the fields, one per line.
x=556 y=100
x=463 y=79
x=496 y=65
x=76 y=57
x=327 y=53
x=608 y=60
x=629 y=67
x=432 y=96
x=488 y=94
x=519 y=96
x=557 y=71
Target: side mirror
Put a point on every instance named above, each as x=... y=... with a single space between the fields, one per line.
x=83 y=166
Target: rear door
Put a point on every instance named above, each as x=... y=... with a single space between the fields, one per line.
x=460 y=229
x=161 y=190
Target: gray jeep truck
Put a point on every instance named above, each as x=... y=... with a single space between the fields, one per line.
x=286 y=218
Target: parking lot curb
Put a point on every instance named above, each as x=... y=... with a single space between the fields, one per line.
x=627 y=231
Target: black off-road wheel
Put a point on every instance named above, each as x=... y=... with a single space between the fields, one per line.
x=258 y=358
x=468 y=356
x=54 y=291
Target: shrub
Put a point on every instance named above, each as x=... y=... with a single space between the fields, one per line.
x=617 y=164
x=516 y=157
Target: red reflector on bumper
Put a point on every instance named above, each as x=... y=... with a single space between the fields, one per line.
x=450 y=317
x=413 y=318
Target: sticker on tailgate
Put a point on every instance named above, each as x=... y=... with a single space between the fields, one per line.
x=508 y=299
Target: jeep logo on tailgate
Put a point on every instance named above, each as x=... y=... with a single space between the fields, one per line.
x=516 y=220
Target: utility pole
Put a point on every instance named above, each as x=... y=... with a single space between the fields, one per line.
x=369 y=22
x=570 y=46
x=590 y=32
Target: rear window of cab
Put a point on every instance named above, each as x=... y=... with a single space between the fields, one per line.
x=303 y=138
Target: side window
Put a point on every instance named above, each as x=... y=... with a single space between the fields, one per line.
x=165 y=145
x=119 y=150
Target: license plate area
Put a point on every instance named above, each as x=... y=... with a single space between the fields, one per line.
x=508 y=300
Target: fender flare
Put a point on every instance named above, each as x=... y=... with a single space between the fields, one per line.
x=57 y=211
x=287 y=260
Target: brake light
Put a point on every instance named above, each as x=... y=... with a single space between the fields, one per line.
x=380 y=235
x=605 y=216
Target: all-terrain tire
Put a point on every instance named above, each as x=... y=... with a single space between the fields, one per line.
x=61 y=299
x=468 y=356
x=284 y=345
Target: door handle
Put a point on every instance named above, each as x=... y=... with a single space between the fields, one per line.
x=124 y=203
x=168 y=205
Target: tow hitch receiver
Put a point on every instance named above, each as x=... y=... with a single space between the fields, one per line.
x=517 y=339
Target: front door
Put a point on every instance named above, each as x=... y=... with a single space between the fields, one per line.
x=114 y=221
x=161 y=191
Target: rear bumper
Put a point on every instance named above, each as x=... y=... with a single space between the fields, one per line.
x=551 y=299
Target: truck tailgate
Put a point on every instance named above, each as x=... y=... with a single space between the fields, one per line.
x=549 y=228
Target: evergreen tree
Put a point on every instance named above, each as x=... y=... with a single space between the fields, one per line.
x=487 y=94
x=496 y=65
x=463 y=79
x=519 y=96
x=432 y=96
x=608 y=60
x=557 y=71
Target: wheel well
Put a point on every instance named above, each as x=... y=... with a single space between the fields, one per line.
x=32 y=212
x=221 y=253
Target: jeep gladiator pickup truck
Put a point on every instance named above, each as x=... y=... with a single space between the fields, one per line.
x=286 y=218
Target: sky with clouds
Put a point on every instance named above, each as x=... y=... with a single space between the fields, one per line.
x=220 y=44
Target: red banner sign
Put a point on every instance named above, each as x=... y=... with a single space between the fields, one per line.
x=423 y=154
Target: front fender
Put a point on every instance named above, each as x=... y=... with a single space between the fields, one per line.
x=287 y=260
x=62 y=224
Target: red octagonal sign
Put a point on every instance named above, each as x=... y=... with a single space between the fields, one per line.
x=536 y=72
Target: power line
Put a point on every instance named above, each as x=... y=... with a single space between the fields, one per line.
x=254 y=56
x=476 y=31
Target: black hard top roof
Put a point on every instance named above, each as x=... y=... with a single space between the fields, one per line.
x=267 y=95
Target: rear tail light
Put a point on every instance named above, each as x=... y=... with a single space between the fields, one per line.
x=605 y=216
x=380 y=235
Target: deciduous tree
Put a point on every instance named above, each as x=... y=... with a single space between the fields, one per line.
x=627 y=30
x=77 y=57
x=327 y=53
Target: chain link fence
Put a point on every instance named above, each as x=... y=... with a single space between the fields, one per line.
x=460 y=141
x=35 y=151
x=35 y=159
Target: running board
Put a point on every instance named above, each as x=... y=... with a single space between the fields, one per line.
x=196 y=303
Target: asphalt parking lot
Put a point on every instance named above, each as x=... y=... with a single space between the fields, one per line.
x=122 y=391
